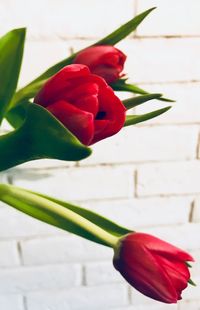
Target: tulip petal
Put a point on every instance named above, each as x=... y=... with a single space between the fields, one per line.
x=114 y=112
x=89 y=104
x=163 y=248
x=100 y=125
x=59 y=83
x=152 y=266
x=103 y=60
x=99 y=55
x=110 y=74
x=79 y=122
x=177 y=272
x=84 y=96
x=143 y=272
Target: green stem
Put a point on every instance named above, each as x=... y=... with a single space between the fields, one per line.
x=9 y=194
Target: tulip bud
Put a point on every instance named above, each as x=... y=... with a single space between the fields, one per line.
x=103 y=60
x=154 y=267
x=83 y=103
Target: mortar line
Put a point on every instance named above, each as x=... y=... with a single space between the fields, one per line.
x=24 y=301
x=191 y=213
x=198 y=148
x=19 y=250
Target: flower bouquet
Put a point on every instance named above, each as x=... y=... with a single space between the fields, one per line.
x=59 y=115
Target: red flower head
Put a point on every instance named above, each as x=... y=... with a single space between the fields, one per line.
x=83 y=103
x=152 y=266
x=103 y=60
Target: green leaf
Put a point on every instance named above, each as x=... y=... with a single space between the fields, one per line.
x=121 y=85
x=32 y=88
x=135 y=101
x=17 y=115
x=135 y=119
x=40 y=136
x=61 y=214
x=93 y=217
x=11 y=53
x=191 y=282
x=124 y=30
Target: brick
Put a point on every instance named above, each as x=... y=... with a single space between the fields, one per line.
x=62 y=250
x=195 y=271
x=101 y=273
x=100 y=297
x=9 y=254
x=137 y=213
x=184 y=111
x=19 y=280
x=184 y=236
x=3 y=177
x=43 y=54
x=65 y=19
x=189 y=305
x=183 y=16
x=162 y=66
x=44 y=164
x=156 y=145
x=196 y=211
x=69 y=184
x=15 y=224
x=11 y=302
x=169 y=178
x=192 y=292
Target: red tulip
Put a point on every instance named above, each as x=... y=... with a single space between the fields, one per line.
x=83 y=103
x=103 y=60
x=152 y=266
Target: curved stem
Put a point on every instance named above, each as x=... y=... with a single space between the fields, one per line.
x=10 y=194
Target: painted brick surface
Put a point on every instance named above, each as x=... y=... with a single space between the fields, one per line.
x=69 y=184
x=138 y=139
x=178 y=13
x=11 y=302
x=146 y=178
x=9 y=254
x=18 y=225
x=59 y=250
x=105 y=296
x=58 y=23
x=161 y=179
x=170 y=66
x=186 y=109
x=137 y=213
x=26 y=279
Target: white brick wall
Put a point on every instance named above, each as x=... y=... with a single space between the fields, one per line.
x=146 y=178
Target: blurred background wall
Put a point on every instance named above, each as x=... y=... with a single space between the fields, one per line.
x=147 y=177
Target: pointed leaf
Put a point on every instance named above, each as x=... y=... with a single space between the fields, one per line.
x=121 y=85
x=191 y=282
x=11 y=53
x=111 y=39
x=124 y=30
x=135 y=101
x=40 y=136
x=135 y=119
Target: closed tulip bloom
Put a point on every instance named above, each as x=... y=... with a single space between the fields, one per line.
x=152 y=266
x=83 y=103
x=103 y=60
